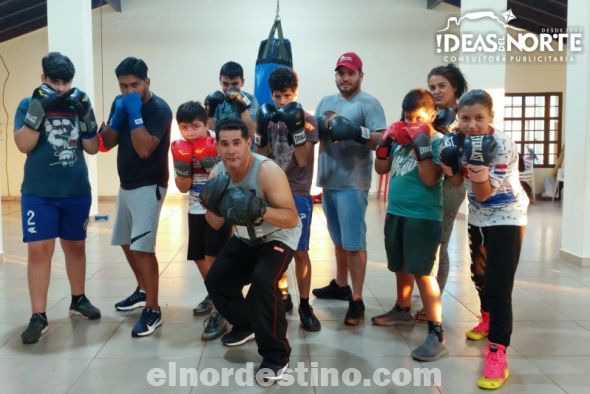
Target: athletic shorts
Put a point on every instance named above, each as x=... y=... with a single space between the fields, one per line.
x=412 y=244
x=54 y=217
x=204 y=240
x=138 y=213
x=305 y=211
x=345 y=214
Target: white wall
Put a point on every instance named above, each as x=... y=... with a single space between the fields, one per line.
x=184 y=43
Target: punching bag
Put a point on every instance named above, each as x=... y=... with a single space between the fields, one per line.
x=273 y=52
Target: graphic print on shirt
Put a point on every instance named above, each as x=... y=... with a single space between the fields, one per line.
x=282 y=152
x=403 y=163
x=62 y=134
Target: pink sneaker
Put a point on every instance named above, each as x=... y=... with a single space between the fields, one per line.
x=482 y=329
x=495 y=370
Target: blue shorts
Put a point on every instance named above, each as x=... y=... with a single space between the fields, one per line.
x=54 y=217
x=345 y=213
x=305 y=210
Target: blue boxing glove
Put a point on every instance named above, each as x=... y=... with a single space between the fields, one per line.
x=116 y=122
x=132 y=104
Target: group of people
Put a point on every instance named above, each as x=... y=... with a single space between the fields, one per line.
x=248 y=170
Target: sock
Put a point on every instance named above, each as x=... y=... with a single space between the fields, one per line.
x=303 y=301
x=437 y=329
x=402 y=308
x=42 y=314
x=76 y=298
x=141 y=290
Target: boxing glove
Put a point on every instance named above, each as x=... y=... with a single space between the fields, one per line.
x=451 y=151
x=132 y=104
x=323 y=123
x=266 y=113
x=81 y=103
x=479 y=151
x=445 y=118
x=213 y=191
x=294 y=117
x=119 y=116
x=182 y=154
x=235 y=95
x=396 y=132
x=420 y=135
x=212 y=101
x=242 y=207
x=342 y=129
x=42 y=98
x=205 y=151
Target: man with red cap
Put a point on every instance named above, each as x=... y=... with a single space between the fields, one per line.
x=350 y=124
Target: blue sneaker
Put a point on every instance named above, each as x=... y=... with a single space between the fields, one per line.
x=135 y=300
x=147 y=324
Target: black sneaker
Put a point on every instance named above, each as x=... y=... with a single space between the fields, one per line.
x=309 y=321
x=84 y=308
x=215 y=326
x=286 y=298
x=333 y=292
x=355 y=314
x=135 y=300
x=269 y=372
x=37 y=327
x=237 y=338
x=147 y=324
x=204 y=307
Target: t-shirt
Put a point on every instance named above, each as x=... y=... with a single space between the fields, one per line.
x=348 y=164
x=284 y=154
x=408 y=196
x=508 y=203
x=200 y=176
x=135 y=172
x=56 y=166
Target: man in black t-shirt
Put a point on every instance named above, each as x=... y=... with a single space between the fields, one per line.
x=139 y=123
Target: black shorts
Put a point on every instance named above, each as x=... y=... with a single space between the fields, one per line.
x=203 y=240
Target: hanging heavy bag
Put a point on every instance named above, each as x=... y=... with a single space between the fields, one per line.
x=272 y=53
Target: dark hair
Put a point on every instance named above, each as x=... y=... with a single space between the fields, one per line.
x=132 y=66
x=232 y=70
x=477 y=96
x=190 y=111
x=453 y=75
x=231 y=123
x=58 y=66
x=418 y=98
x=282 y=78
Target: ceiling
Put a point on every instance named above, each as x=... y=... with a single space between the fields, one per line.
x=19 y=17
x=531 y=15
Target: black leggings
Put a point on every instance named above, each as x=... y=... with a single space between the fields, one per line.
x=262 y=311
x=495 y=251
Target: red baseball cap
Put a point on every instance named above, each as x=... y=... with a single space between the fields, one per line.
x=350 y=60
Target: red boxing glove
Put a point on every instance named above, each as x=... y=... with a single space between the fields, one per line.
x=182 y=153
x=398 y=132
x=417 y=128
x=205 y=151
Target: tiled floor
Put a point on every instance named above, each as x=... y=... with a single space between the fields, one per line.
x=550 y=350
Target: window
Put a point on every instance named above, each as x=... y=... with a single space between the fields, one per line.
x=533 y=121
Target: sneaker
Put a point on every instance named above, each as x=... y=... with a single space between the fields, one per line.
x=204 y=307
x=84 y=308
x=269 y=372
x=215 y=326
x=309 y=321
x=286 y=298
x=396 y=316
x=495 y=370
x=147 y=324
x=237 y=338
x=135 y=300
x=37 y=327
x=432 y=349
x=355 y=314
x=482 y=329
x=333 y=292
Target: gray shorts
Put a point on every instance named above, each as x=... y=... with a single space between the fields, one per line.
x=138 y=213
